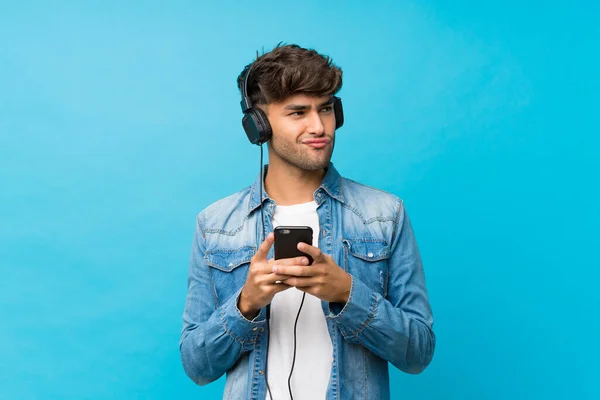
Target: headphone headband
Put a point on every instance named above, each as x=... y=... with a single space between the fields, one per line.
x=246 y=102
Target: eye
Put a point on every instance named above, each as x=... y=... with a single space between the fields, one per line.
x=297 y=114
x=327 y=109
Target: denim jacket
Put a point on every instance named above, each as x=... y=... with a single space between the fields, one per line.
x=387 y=317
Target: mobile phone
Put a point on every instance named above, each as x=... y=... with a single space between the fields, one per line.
x=287 y=239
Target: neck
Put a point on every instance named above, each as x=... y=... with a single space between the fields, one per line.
x=288 y=185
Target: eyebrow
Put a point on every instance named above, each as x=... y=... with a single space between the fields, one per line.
x=300 y=107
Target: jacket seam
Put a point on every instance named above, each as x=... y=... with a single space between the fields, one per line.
x=396 y=220
x=367 y=321
x=343 y=310
x=233 y=335
x=365 y=373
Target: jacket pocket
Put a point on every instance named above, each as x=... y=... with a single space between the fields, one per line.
x=367 y=260
x=228 y=268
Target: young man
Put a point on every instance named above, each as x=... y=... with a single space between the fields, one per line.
x=365 y=301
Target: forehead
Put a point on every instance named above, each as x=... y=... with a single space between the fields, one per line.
x=303 y=100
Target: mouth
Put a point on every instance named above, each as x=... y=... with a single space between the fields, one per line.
x=317 y=143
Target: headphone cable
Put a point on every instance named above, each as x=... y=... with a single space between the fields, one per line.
x=262 y=219
x=294 y=359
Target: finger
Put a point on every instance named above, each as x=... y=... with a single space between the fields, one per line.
x=280 y=287
x=301 y=282
x=294 y=270
x=263 y=249
x=292 y=261
x=275 y=278
x=266 y=268
x=313 y=251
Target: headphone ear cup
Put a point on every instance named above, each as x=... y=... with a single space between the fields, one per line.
x=250 y=128
x=338 y=112
x=256 y=125
x=262 y=122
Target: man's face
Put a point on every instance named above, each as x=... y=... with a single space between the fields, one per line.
x=303 y=131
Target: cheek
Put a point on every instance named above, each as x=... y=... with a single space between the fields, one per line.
x=329 y=123
x=280 y=140
x=286 y=134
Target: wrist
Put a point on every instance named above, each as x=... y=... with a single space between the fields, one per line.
x=345 y=294
x=246 y=308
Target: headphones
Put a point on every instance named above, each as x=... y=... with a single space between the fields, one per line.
x=256 y=123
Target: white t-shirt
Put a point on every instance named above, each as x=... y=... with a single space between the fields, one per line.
x=314 y=351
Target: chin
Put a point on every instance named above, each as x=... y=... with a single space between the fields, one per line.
x=316 y=166
x=307 y=162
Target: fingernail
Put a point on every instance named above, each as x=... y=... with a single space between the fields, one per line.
x=305 y=261
x=275 y=268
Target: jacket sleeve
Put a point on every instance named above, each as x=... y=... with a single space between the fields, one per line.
x=397 y=328
x=214 y=336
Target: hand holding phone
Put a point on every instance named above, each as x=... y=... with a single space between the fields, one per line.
x=259 y=288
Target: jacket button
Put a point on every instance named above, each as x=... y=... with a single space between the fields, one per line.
x=261 y=372
x=370 y=255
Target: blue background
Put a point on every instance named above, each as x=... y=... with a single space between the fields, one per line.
x=119 y=122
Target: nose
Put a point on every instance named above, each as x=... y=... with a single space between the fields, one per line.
x=315 y=124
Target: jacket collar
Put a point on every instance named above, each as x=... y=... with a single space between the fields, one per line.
x=331 y=185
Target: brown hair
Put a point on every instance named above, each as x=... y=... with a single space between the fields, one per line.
x=290 y=69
